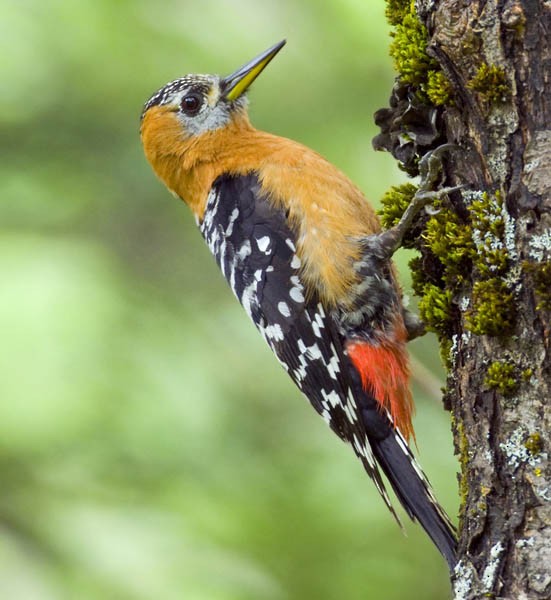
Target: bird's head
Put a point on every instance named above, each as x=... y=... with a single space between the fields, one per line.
x=203 y=103
x=190 y=128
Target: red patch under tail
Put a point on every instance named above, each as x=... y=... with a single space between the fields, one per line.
x=384 y=371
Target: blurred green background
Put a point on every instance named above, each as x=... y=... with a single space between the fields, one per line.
x=150 y=445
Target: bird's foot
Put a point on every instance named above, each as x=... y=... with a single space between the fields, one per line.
x=430 y=169
x=415 y=327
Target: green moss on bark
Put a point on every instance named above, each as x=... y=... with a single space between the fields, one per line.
x=492 y=311
x=491 y=83
x=411 y=59
x=501 y=377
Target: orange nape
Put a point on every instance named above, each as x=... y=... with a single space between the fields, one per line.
x=384 y=371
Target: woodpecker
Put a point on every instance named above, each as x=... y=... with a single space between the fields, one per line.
x=304 y=253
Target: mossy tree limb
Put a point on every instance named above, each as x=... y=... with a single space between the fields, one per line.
x=484 y=273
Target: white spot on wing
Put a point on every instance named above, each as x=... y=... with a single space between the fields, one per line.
x=296 y=294
x=307 y=355
x=295 y=263
x=313 y=352
x=350 y=414
x=273 y=332
x=331 y=397
x=351 y=399
x=263 y=244
x=245 y=250
x=248 y=299
x=317 y=325
x=283 y=308
x=326 y=416
x=233 y=219
x=316 y=329
x=333 y=367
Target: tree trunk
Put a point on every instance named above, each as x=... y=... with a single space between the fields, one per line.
x=485 y=272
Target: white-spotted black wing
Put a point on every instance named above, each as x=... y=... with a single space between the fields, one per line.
x=254 y=247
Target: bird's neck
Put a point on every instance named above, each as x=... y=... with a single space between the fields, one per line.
x=190 y=165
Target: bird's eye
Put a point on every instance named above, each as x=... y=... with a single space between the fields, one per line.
x=191 y=104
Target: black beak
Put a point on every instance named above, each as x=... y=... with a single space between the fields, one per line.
x=238 y=82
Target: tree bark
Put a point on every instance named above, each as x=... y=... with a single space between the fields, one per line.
x=496 y=54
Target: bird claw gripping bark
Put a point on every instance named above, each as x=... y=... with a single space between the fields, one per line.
x=415 y=327
x=430 y=170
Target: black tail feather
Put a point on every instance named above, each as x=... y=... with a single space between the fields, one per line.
x=414 y=492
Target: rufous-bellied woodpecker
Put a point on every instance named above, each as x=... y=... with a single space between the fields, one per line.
x=304 y=253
